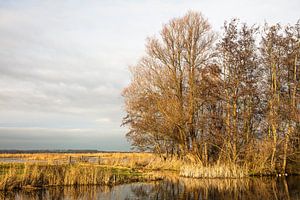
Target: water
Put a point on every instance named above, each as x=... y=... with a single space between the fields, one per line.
x=174 y=188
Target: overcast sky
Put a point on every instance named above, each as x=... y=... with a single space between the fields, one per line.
x=64 y=63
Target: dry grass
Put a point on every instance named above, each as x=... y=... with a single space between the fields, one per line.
x=130 y=160
x=17 y=176
x=148 y=161
x=215 y=171
x=105 y=158
x=45 y=169
x=192 y=184
x=168 y=164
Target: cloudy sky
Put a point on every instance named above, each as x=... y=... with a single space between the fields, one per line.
x=63 y=63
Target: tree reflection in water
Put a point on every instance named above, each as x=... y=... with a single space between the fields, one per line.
x=250 y=188
x=173 y=188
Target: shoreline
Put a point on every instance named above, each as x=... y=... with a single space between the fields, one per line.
x=47 y=170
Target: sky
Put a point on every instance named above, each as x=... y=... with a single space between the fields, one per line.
x=64 y=63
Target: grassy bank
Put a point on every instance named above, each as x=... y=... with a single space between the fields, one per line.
x=22 y=175
x=42 y=170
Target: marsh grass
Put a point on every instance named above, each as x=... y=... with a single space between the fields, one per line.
x=172 y=164
x=101 y=169
x=220 y=184
x=145 y=161
x=111 y=159
x=43 y=170
x=18 y=176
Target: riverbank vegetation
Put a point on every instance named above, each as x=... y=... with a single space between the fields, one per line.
x=173 y=187
x=219 y=100
x=37 y=175
x=221 y=171
x=30 y=171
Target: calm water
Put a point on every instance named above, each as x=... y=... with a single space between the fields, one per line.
x=174 y=188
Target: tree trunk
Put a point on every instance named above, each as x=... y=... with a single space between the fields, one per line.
x=286 y=142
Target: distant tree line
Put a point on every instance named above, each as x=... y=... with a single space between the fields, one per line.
x=231 y=98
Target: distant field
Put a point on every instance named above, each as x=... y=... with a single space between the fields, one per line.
x=114 y=159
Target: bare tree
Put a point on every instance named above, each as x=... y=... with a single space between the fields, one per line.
x=280 y=52
x=169 y=74
x=239 y=61
x=226 y=101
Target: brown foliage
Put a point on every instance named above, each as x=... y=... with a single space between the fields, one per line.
x=217 y=99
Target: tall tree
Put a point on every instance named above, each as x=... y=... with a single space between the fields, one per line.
x=166 y=81
x=228 y=101
x=239 y=61
x=280 y=53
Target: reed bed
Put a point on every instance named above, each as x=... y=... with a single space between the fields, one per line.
x=219 y=184
x=214 y=171
x=26 y=175
x=46 y=169
x=159 y=164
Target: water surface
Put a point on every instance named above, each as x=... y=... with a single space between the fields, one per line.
x=173 y=188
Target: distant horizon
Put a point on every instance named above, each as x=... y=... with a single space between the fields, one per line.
x=60 y=150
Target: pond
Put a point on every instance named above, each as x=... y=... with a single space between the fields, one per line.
x=173 y=188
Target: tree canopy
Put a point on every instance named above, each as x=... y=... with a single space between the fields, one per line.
x=230 y=98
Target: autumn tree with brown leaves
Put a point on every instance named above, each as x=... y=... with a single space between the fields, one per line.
x=163 y=100
x=280 y=55
x=226 y=100
x=239 y=62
